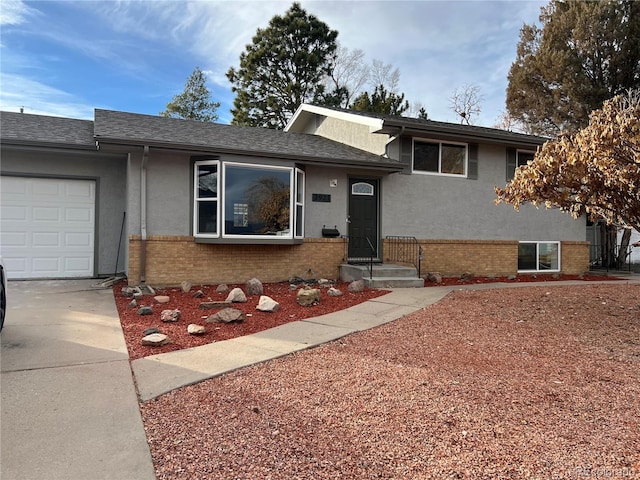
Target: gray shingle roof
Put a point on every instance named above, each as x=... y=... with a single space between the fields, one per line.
x=130 y=128
x=28 y=129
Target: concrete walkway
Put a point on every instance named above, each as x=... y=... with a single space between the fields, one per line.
x=69 y=405
x=158 y=374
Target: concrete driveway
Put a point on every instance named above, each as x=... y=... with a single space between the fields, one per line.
x=69 y=405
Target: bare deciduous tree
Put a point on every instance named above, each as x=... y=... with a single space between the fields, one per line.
x=465 y=102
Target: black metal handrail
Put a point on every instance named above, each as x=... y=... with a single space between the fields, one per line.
x=610 y=256
x=373 y=253
x=404 y=250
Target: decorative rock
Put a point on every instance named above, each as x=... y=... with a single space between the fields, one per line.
x=185 y=286
x=435 y=277
x=212 y=305
x=170 y=315
x=145 y=311
x=162 y=299
x=133 y=303
x=222 y=288
x=150 y=331
x=512 y=277
x=194 y=329
x=198 y=294
x=155 y=340
x=226 y=315
x=466 y=276
x=129 y=291
x=324 y=281
x=334 y=292
x=296 y=280
x=556 y=276
x=137 y=295
x=254 y=287
x=293 y=287
x=236 y=295
x=308 y=297
x=356 y=286
x=267 y=304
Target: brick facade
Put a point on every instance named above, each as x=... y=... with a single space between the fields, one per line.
x=170 y=260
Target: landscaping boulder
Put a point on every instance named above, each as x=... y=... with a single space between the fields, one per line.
x=267 y=304
x=162 y=298
x=222 y=288
x=308 y=297
x=254 y=287
x=149 y=331
x=185 y=286
x=198 y=294
x=466 y=276
x=434 y=277
x=194 y=329
x=356 y=286
x=212 y=305
x=334 y=292
x=170 y=315
x=227 y=315
x=155 y=340
x=237 y=296
x=145 y=311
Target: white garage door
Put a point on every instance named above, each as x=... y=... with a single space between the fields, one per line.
x=47 y=227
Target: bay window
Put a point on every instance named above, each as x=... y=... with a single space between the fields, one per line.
x=247 y=201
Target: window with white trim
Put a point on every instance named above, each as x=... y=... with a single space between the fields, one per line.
x=539 y=257
x=442 y=158
x=299 y=219
x=238 y=200
x=206 y=188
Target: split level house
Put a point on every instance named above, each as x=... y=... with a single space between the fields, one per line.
x=167 y=200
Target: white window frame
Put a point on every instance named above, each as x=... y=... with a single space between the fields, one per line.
x=440 y=144
x=544 y=270
x=299 y=192
x=197 y=200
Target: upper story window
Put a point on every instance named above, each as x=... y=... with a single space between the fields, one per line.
x=236 y=200
x=443 y=158
x=515 y=159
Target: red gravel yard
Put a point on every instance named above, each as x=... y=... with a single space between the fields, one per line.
x=536 y=382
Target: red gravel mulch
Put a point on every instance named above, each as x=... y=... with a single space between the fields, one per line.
x=522 y=383
x=133 y=324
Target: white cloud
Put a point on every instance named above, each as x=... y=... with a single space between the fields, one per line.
x=34 y=97
x=14 y=12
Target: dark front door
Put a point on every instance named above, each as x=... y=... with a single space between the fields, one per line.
x=363 y=219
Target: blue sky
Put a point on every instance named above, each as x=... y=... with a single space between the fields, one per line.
x=66 y=58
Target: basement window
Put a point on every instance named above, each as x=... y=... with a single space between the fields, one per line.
x=539 y=257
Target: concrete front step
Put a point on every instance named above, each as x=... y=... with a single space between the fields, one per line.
x=384 y=275
x=393 y=282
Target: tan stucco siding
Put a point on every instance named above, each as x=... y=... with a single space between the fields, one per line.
x=353 y=134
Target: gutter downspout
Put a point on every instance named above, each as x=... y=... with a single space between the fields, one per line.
x=392 y=139
x=143 y=214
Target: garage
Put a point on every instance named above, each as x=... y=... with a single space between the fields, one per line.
x=47 y=227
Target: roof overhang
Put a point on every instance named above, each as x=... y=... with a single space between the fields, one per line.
x=306 y=112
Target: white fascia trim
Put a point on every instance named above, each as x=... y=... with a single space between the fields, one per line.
x=374 y=124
